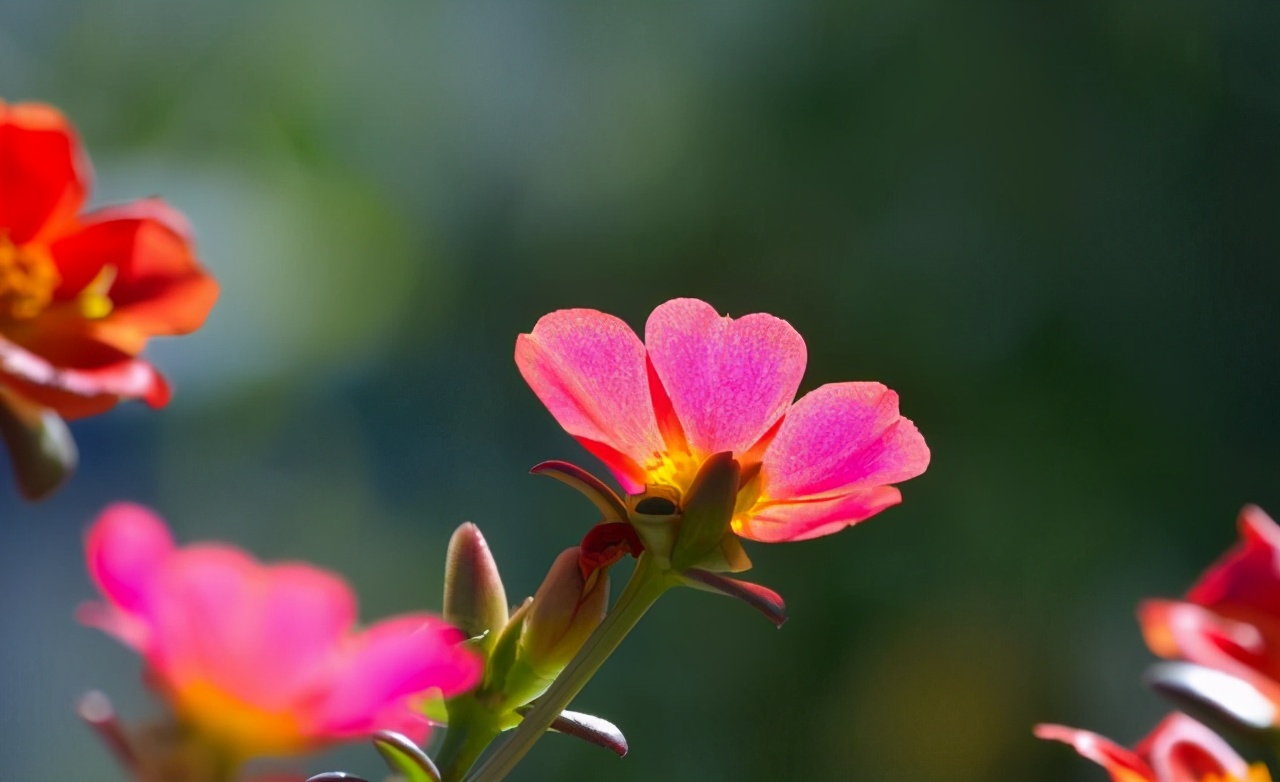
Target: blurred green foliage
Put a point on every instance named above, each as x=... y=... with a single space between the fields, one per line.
x=1051 y=226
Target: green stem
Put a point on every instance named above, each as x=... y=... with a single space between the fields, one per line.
x=647 y=584
x=464 y=742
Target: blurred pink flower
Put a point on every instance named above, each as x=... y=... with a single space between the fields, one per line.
x=1230 y=620
x=1178 y=750
x=263 y=659
x=702 y=384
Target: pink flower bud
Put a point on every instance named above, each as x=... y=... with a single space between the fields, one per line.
x=566 y=609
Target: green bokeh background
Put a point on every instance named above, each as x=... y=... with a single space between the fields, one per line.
x=1051 y=226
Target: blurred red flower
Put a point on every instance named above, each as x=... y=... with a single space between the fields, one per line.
x=1230 y=620
x=1178 y=750
x=80 y=294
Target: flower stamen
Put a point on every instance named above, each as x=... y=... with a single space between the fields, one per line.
x=28 y=278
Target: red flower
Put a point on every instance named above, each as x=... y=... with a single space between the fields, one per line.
x=80 y=294
x=1230 y=620
x=1178 y=750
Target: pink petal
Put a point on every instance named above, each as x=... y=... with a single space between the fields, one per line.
x=125 y=549
x=1103 y=751
x=303 y=616
x=388 y=664
x=842 y=436
x=728 y=380
x=776 y=522
x=1182 y=749
x=261 y=634
x=589 y=369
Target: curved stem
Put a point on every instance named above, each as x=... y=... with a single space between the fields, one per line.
x=462 y=748
x=647 y=584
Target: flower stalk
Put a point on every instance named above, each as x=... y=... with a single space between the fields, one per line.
x=648 y=583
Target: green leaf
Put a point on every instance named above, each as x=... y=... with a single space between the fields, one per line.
x=405 y=758
x=593 y=730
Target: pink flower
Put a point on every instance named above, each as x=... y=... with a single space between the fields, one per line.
x=702 y=384
x=1178 y=750
x=263 y=659
x=1230 y=620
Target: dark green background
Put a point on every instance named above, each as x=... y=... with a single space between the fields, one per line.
x=1051 y=226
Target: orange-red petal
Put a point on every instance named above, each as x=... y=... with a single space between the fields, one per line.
x=157 y=286
x=44 y=174
x=74 y=392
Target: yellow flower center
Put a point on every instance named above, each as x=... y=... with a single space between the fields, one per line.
x=674 y=469
x=243 y=728
x=28 y=278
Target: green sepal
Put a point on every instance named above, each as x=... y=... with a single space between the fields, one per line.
x=504 y=651
x=706 y=513
x=591 y=487
x=41 y=448
x=404 y=757
x=769 y=603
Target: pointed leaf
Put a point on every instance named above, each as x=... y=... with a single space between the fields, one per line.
x=1215 y=696
x=591 y=487
x=405 y=758
x=40 y=445
x=503 y=655
x=592 y=730
x=762 y=599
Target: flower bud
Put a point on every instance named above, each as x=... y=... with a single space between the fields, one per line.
x=566 y=609
x=474 y=600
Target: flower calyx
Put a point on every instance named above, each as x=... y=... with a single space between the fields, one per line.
x=688 y=534
x=680 y=529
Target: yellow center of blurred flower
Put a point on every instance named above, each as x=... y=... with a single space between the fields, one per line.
x=243 y=728
x=28 y=278
x=1257 y=773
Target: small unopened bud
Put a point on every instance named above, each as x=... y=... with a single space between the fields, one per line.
x=474 y=600
x=566 y=609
